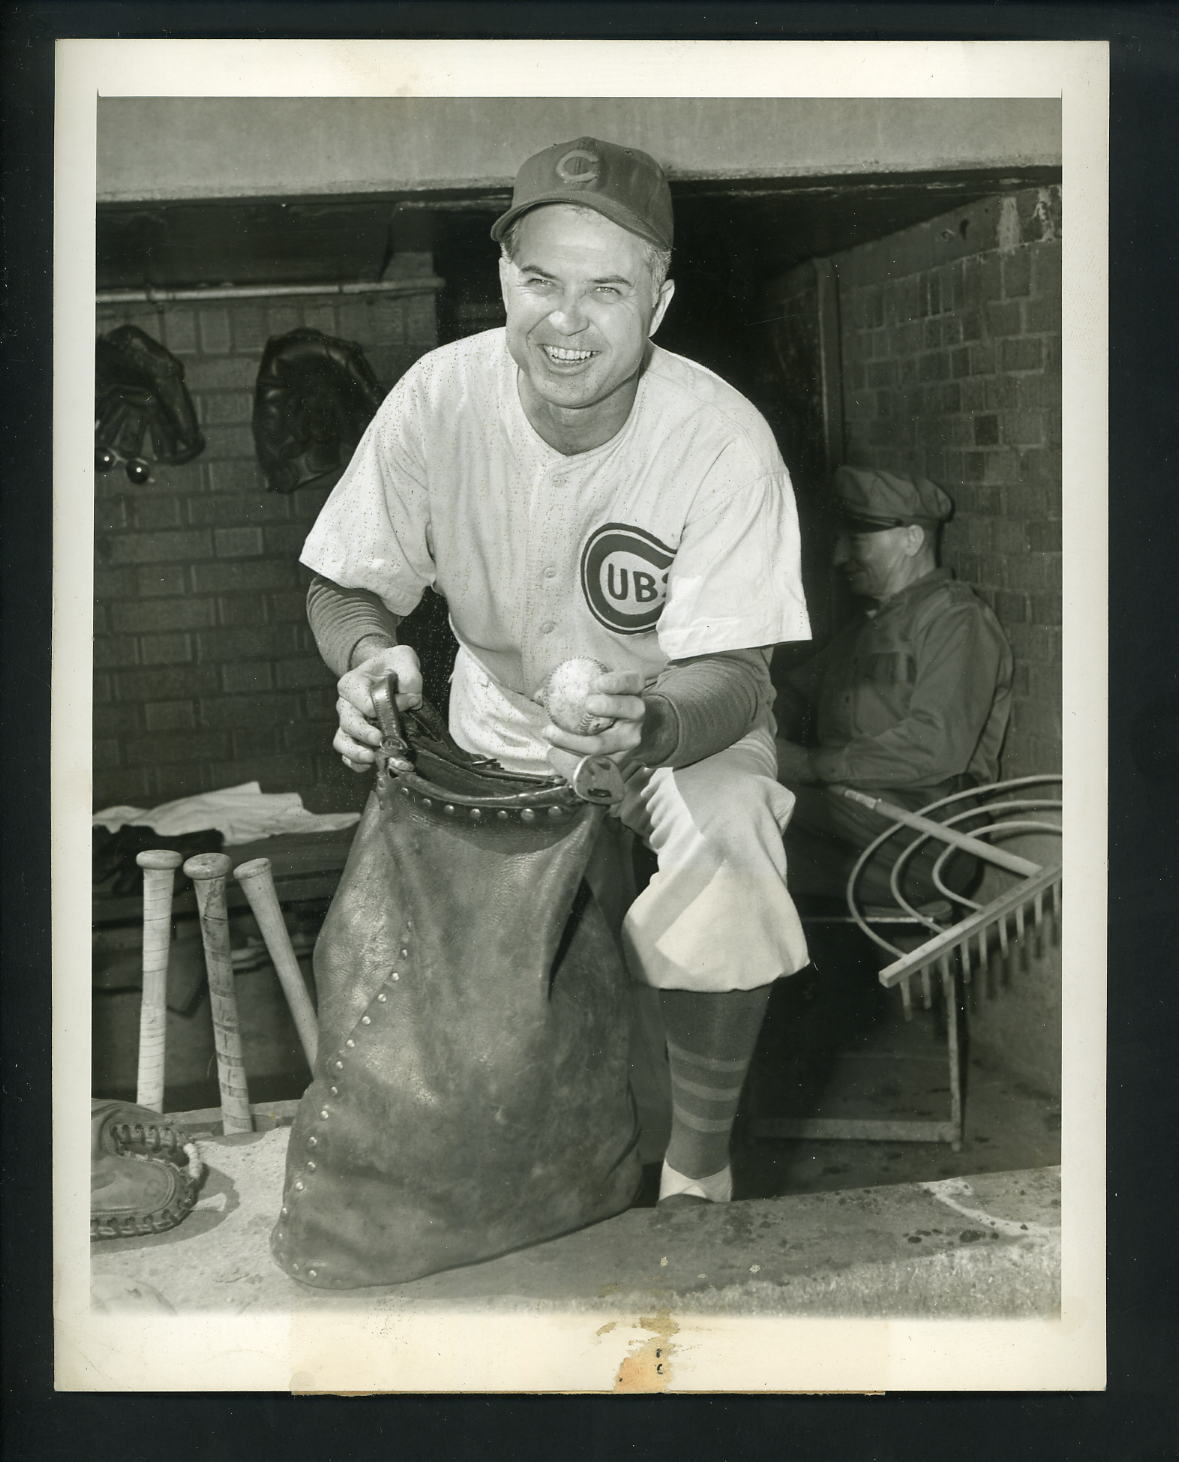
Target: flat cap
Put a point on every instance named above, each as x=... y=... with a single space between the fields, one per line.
x=869 y=499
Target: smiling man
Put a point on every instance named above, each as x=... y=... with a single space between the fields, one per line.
x=583 y=296
x=573 y=490
x=908 y=702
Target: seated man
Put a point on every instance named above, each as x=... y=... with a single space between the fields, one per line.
x=908 y=702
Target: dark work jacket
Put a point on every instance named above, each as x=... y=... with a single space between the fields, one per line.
x=913 y=694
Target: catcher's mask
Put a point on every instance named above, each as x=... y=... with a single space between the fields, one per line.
x=313 y=398
x=139 y=392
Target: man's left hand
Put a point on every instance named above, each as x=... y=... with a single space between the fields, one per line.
x=616 y=693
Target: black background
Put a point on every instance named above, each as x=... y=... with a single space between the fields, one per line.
x=1136 y=1419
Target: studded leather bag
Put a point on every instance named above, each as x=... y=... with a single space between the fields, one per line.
x=470 y=1095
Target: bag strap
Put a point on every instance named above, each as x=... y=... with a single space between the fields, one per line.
x=481 y=782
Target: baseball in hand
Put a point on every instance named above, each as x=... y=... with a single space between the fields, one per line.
x=563 y=696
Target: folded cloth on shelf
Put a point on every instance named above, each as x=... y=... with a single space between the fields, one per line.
x=240 y=814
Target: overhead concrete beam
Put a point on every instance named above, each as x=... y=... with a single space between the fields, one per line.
x=173 y=148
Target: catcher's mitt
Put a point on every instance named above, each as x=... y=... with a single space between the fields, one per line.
x=143 y=1177
x=313 y=398
x=139 y=388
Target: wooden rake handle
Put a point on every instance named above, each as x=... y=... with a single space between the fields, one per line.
x=1024 y=867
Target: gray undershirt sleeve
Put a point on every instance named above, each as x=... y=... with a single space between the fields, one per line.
x=694 y=708
x=698 y=707
x=340 y=618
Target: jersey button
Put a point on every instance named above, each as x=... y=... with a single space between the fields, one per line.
x=547 y=627
x=550 y=572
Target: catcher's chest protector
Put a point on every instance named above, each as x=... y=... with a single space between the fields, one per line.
x=470 y=1094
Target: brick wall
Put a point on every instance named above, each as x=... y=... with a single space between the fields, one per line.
x=951 y=343
x=205 y=672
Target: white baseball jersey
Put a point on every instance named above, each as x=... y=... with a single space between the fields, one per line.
x=677 y=537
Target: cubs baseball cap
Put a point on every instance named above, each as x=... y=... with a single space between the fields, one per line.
x=868 y=499
x=625 y=185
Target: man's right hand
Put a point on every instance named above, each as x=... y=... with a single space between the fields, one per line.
x=358 y=737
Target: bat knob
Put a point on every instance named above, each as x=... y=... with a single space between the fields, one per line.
x=159 y=858
x=255 y=868
x=203 y=866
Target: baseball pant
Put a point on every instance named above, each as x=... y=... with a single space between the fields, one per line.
x=716 y=914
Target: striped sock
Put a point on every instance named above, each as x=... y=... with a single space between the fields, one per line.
x=710 y=1043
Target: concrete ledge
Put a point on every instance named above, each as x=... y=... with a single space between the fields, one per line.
x=980 y=1246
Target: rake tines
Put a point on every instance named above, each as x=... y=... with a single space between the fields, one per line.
x=971 y=822
x=1011 y=904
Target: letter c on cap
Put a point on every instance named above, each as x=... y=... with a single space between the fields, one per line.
x=569 y=173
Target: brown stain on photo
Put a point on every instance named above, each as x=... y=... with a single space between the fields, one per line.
x=648 y=1367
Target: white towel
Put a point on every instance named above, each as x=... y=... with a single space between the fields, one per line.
x=240 y=814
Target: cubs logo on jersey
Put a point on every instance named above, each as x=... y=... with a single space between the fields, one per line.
x=624 y=577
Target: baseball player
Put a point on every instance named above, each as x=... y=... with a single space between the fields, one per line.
x=573 y=490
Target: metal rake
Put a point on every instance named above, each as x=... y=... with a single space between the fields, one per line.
x=977 y=822
x=960 y=932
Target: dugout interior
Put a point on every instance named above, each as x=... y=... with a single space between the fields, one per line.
x=904 y=310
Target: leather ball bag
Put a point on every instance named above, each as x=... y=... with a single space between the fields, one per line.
x=470 y=1095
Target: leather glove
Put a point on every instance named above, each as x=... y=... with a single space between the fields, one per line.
x=144 y=1179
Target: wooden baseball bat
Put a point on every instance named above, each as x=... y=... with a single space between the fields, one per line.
x=208 y=872
x=257 y=883
x=159 y=867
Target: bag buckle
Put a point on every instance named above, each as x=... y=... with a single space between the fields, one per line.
x=597 y=779
x=393 y=753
